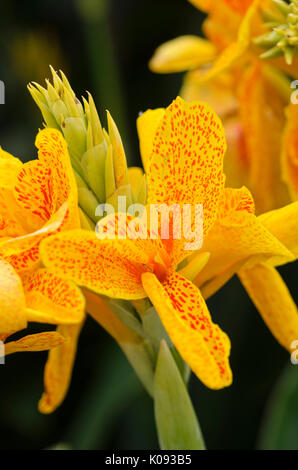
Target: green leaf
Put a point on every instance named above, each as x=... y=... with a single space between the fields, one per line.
x=177 y=425
x=280 y=426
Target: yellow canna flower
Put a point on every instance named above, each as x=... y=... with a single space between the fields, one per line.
x=239 y=242
x=183 y=156
x=37 y=199
x=135 y=269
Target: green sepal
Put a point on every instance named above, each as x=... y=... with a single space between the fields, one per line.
x=88 y=203
x=74 y=131
x=93 y=165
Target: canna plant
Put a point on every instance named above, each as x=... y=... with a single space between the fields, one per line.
x=149 y=294
x=135 y=270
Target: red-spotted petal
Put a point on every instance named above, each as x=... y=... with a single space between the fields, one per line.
x=186 y=318
x=35 y=193
x=50 y=299
x=186 y=166
x=37 y=342
x=103 y=266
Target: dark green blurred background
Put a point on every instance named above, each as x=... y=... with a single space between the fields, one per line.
x=106 y=53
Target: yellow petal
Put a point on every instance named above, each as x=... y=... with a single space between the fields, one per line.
x=58 y=369
x=9 y=168
x=240 y=6
x=10 y=223
x=274 y=302
x=53 y=153
x=37 y=342
x=50 y=299
x=36 y=193
x=147 y=125
x=195 y=265
x=183 y=53
x=204 y=5
x=186 y=318
x=186 y=166
x=239 y=237
x=23 y=252
x=290 y=151
x=282 y=223
x=12 y=300
x=135 y=176
x=104 y=266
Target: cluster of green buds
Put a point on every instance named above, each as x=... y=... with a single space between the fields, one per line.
x=97 y=156
x=283 y=36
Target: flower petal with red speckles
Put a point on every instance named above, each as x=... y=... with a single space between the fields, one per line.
x=186 y=318
x=51 y=299
x=37 y=342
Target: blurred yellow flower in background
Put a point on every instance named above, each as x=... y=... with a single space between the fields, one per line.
x=249 y=94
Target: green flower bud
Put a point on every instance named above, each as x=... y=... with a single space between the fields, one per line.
x=97 y=157
x=283 y=37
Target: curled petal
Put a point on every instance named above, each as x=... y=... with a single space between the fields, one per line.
x=37 y=342
x=183 y=53
x=186 y=318
x=58 y=369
